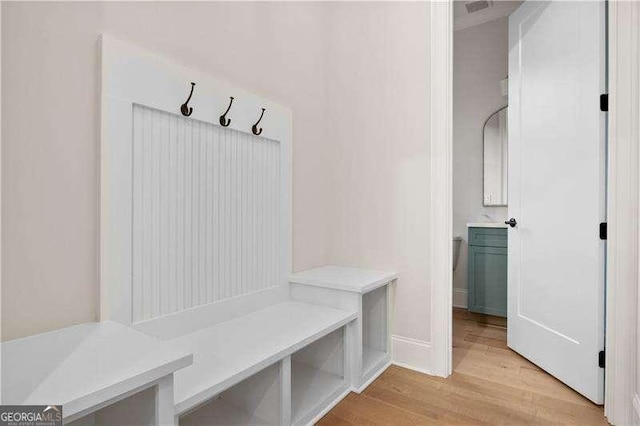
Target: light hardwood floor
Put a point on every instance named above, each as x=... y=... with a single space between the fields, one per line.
x=490 y=385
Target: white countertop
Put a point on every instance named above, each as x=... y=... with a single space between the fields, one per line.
x=343 y=278
x=488 y=225
x=83 y=366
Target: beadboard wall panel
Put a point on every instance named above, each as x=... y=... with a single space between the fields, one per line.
x=205 y=212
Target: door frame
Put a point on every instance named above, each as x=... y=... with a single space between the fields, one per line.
x=622 y=400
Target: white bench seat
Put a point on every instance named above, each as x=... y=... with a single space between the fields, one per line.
x=229 y=352
x=85 y=367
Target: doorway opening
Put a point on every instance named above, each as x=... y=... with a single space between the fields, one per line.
x=528 y=150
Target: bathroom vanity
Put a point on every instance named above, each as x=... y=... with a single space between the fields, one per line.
x=487 y=268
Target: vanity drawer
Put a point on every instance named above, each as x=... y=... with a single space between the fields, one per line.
x=488 y=237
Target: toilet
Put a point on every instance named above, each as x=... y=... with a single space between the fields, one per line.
x=457 y=241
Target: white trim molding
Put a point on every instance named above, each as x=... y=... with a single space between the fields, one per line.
x=441 y=186
x=411 y=353
x=460 y=298
x=622 y=244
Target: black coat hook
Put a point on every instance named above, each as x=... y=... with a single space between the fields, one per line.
x=255 y=129
x=185 y=109
x=224 y=121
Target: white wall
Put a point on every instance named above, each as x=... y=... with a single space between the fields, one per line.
x=355 y=75
x=480 y=57
x=50 y=130
x=379 y=125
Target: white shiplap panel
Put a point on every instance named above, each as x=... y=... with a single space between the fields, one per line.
x=206 y=213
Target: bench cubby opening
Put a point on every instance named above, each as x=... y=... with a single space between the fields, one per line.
x=137 y=409
x=318 y=376
x=254 y=401
x=374 y=329
x=368 y=292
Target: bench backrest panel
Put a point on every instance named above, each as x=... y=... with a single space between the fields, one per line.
x=193 y=214
x=206 y=213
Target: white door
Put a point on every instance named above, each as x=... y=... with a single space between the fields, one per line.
x=557 y=189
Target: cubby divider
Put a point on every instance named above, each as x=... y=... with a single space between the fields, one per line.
x=318 y=376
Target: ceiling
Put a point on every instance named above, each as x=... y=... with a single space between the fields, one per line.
x=497 y=9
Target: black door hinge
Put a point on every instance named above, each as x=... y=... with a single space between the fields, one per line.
x=604 y=102
x=601 y=359
x=603 y=230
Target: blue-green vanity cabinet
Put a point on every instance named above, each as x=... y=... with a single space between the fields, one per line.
x=487 y=271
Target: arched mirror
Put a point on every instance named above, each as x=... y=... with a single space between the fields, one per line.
x=495 y=146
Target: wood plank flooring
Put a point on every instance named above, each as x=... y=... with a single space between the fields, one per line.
x=491 y=384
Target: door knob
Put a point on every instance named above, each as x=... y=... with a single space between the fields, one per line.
x=511 y=222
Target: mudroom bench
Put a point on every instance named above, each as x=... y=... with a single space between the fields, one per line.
x=283 y=364
x=201 y=320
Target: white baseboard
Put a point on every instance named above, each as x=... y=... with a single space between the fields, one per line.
x=460 y=298
x=411 y=353
x=412 y=368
